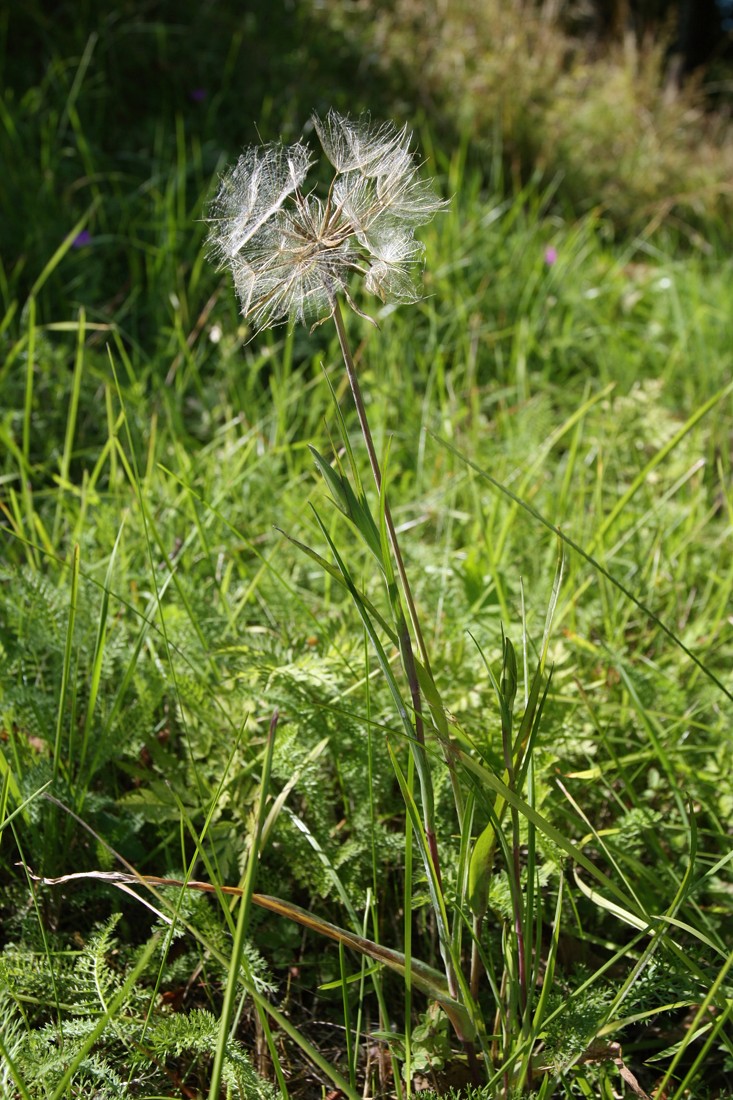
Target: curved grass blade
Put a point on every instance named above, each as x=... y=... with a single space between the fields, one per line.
x=488 y=779
x=431 y=981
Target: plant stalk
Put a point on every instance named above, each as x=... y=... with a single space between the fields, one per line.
x=376 y=471
x=405 y=639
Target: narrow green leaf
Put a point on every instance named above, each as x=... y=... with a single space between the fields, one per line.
x=61 y=251
x=356 y=510
x=509 y=675
x=96 y=675
x=10 y=785
x=235 y=963
x=479 y=871
x=335 y=573
x=66 y=670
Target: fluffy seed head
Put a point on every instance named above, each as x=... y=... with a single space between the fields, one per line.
x=292 y=253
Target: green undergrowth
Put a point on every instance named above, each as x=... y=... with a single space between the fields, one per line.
x=560 y=391
x=154 y=615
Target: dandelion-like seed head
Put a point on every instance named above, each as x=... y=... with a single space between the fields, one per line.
x=291 y=252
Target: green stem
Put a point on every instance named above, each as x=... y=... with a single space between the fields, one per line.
x=376 y=471
x=405 y=641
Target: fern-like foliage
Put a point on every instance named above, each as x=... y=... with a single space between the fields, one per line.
x=51 y=1008
x=195 y=1035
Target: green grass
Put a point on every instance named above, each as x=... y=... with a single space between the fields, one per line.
x=153 y=616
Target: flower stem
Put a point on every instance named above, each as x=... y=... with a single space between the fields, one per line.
x=405 y=643
x=374 y=463
x=405 y=640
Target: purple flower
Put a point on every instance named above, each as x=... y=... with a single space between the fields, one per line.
x=197 y=94
x=550 y=256
x=81 y=240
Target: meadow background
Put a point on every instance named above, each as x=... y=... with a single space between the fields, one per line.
x=571 y=362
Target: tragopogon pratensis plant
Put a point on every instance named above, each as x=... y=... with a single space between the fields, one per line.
x=294 y=255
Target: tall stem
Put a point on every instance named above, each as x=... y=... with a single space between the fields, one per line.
x=374 y=463
x=405 y=639
x=392 y=534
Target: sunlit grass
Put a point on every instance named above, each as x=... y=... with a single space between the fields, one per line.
x=153 y=615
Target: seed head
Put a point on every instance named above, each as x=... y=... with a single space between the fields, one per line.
x=292 y=252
